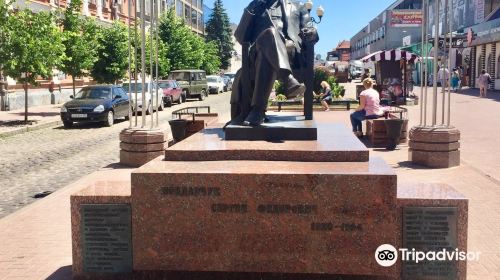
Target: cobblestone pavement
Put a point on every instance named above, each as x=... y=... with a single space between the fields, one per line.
x=48 y=159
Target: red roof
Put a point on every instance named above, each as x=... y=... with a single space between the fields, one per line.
x=344 y=45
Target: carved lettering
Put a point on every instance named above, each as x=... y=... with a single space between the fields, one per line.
x=190 y=191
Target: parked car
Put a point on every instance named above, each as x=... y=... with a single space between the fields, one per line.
x=230 y=79
x=99 y=103
x=215 y=84
x=171 y=92
x=192 y=82
x=151 y=102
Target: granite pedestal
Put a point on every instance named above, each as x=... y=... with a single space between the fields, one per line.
x=436 y=147
x=218 y=209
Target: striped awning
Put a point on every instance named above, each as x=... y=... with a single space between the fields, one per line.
x=391 y=55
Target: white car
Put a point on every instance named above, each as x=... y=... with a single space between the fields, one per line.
x=215 y=84
x=149 y=108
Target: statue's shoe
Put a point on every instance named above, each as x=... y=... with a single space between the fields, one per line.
x=255 y=118
x=294 y=88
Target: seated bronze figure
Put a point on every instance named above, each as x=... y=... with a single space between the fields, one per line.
x=273 y=35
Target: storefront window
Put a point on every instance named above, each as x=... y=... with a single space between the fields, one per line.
x=498 y=67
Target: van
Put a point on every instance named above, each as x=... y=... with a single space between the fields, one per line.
x=192 y=82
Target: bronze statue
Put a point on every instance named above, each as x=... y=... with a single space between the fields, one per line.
x=273 y=35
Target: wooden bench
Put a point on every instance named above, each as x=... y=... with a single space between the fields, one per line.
x=376 y=131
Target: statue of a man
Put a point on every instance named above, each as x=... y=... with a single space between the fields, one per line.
x=275 y=31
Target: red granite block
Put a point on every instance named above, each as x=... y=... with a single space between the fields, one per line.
x=263 y=216
x=436 y=195
x=335 y=143
x=99 y=192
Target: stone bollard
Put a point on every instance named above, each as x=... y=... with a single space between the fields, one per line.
x=139 y=146
x=436 y=147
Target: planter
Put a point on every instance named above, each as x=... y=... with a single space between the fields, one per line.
x=178 y=128
x=394 y=128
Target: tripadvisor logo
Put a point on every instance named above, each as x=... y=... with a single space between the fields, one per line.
x=387 y=255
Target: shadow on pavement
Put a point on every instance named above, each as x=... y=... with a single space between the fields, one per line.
x=38 y=114
x=63 y=273
x=89 y=125
x=491 y=94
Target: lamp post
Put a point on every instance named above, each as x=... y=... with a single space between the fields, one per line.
x=309 y=58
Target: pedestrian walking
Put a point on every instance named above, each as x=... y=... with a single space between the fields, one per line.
x=455 y=79
x=484 y=80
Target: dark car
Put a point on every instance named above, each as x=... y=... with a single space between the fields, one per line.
x=172 y=92
x=101 y=103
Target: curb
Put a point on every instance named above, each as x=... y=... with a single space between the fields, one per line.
x=29 y=128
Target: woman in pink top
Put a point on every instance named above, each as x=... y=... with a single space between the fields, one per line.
x=369 y=107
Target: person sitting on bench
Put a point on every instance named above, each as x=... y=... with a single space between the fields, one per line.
x=369 y=107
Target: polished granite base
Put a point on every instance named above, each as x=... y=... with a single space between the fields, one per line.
x=278 y=128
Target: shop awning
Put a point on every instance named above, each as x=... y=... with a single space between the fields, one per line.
x=391 y=55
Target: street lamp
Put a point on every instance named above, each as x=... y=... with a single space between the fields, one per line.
x=309 y=58
x=319 y=11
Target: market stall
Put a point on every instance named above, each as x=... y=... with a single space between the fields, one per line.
x=393 y=74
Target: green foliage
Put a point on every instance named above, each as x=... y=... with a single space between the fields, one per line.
x=35 y=46
x=4 y=31
x=218 y=30
x=337 y=90
x=322 y=74
x=281 y=97
x=186 y=50
x=211 y=60
x=80 y=41
x=279 y=88
x=112 y=58
x=177 y=37
x=163 y=62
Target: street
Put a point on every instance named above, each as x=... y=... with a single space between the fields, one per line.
x=48 y=159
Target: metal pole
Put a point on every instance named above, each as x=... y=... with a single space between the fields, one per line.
x=156 y=62
x=426 y=60
x=136 y=110
x=143 y=60
x=151 y=27
x=436 y=50
x=449 y=59
x=421 y=65
x=446 y=85
x=129 y=65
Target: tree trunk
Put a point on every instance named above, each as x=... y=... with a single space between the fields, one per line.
x=26 y=102
x=73 y=79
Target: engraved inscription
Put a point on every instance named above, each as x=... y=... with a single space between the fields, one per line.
x=345 y=227
x=430 y=229
x=287 y=209
x=190 y=191
x=106 y=238
x=229 y=208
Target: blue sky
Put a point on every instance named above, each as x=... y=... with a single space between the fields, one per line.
x=343 y=18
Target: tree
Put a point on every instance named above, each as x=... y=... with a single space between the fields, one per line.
x=80 y=41
x=112 y=58
x=218 y=30
x=178 y=39
x=36 y=48
x=4 y=35
x=211 y=59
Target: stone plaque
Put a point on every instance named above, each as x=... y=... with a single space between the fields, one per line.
x=106 y=238
x=430 y=229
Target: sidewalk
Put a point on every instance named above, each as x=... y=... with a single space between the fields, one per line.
x=41 y=117
x=36 y=241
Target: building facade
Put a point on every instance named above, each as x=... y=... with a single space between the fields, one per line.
x=192 y=11
x=400 y=22
x=341 y=53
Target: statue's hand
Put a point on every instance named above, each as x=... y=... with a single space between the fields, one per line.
x=259 y=6
x=309 y=35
